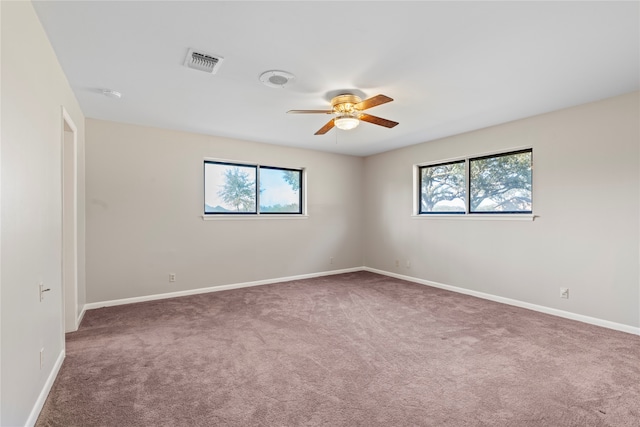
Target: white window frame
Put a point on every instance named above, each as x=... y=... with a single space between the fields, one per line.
x=467 y=215
x=257 y=215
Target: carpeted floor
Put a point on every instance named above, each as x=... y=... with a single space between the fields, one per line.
x=355 y=349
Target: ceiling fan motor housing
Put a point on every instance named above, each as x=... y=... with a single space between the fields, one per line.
x=347 y=109
x=344 y=104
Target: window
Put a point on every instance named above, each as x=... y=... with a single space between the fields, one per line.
x=232 y=188
x=442 y=188
x=280 y=190
x=501 y=183
x=494 y=184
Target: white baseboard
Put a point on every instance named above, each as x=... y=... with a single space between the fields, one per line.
x=35 y=412
x=93 y=305
x=542 y=309
x=37 y=407
x=81 y=316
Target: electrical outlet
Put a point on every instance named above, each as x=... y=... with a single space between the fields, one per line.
x=172 y=277
x=408 y=264
x=564 y=293
x=397 y=263
x=41 y=357
x=331 y=260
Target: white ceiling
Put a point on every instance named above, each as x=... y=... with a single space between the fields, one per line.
x=451 y=66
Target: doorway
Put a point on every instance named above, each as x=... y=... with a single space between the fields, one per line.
x=69 y=222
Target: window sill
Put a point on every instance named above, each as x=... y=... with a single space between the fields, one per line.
x=480 y=217
x=251 y=217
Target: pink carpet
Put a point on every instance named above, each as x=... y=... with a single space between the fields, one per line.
x=355 y=349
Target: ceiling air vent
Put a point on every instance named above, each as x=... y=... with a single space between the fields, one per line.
x=203 y=61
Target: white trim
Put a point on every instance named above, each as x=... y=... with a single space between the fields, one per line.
x=250 y=163
x=94 y=305
x=540 y=308
x=417 y=184
x=221 y=217
x=69 y=312
x=235 y=162
x=303 y=187
x=474 y=156
x=35 y=412
x=81 y=316
x=480 y=217
x=42 y=397
x=1 y=235
x=460 y=159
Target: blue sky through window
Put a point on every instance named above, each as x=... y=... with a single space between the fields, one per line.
x=275 y=191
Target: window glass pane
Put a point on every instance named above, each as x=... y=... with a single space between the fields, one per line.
x=442 y=188
x=229 y=188
x=280 y=190
x=501 y=183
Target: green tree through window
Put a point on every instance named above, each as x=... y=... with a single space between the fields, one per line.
x=239 y=190
x=236 y=188
x=500 y=183
x=442 y=188
x=279 y=190
x=292 y=178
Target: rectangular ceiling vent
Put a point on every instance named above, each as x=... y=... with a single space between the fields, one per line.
x=203 y=61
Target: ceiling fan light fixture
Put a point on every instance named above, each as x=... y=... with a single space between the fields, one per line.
x=347 y=110
x=346 y=122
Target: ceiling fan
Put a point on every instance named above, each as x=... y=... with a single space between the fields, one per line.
x=347 y=109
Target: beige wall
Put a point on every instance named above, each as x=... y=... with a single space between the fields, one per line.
x=144 y=191
x=586 y=199
x=145 y=202
x=33 y=90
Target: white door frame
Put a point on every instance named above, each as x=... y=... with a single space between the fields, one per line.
x=69 y=171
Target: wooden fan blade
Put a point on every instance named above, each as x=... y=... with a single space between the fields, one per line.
x=326 y=128
x=309 y=112
x=372 y=102
x=378 y=121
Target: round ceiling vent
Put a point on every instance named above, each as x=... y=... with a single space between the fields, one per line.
x=276 y=78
